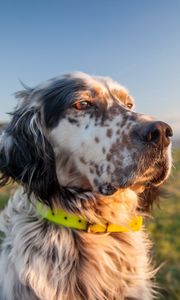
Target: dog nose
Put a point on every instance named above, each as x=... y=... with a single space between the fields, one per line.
x=158 y=133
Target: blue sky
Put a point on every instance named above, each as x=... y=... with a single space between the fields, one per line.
x=136 y=42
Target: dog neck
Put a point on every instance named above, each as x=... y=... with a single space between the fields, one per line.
x=119 y=208
x=61 y=217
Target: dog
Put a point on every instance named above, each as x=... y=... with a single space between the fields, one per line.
x=88 y=168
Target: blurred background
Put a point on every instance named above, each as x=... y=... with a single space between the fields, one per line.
x=136 y=43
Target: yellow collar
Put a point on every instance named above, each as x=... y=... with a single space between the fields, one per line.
x=61 y=217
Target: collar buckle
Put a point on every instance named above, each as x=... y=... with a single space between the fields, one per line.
x=97 y=228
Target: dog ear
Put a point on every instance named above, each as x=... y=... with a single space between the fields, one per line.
x=26 y=156
x=149 y=197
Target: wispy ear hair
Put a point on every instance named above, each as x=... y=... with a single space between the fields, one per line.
x=26 y=156
x=23 y=95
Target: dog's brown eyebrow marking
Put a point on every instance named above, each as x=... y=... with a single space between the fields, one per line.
x=122 y=95
x=94 y=93
x=98 y=91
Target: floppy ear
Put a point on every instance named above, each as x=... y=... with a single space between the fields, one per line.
x=26 y=156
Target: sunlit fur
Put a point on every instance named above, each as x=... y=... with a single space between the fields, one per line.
x=91 y=163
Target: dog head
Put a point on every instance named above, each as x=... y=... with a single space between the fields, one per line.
x=79 y=131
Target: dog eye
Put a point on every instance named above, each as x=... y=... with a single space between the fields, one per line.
x=129 y=105
x=82 y=105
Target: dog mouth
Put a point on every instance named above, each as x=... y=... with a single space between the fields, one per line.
x=161 y=172
x=154 y=176
x=150 y=168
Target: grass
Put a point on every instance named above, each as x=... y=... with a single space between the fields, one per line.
x=165 y=232
x=165 y=229
x=5 y=192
